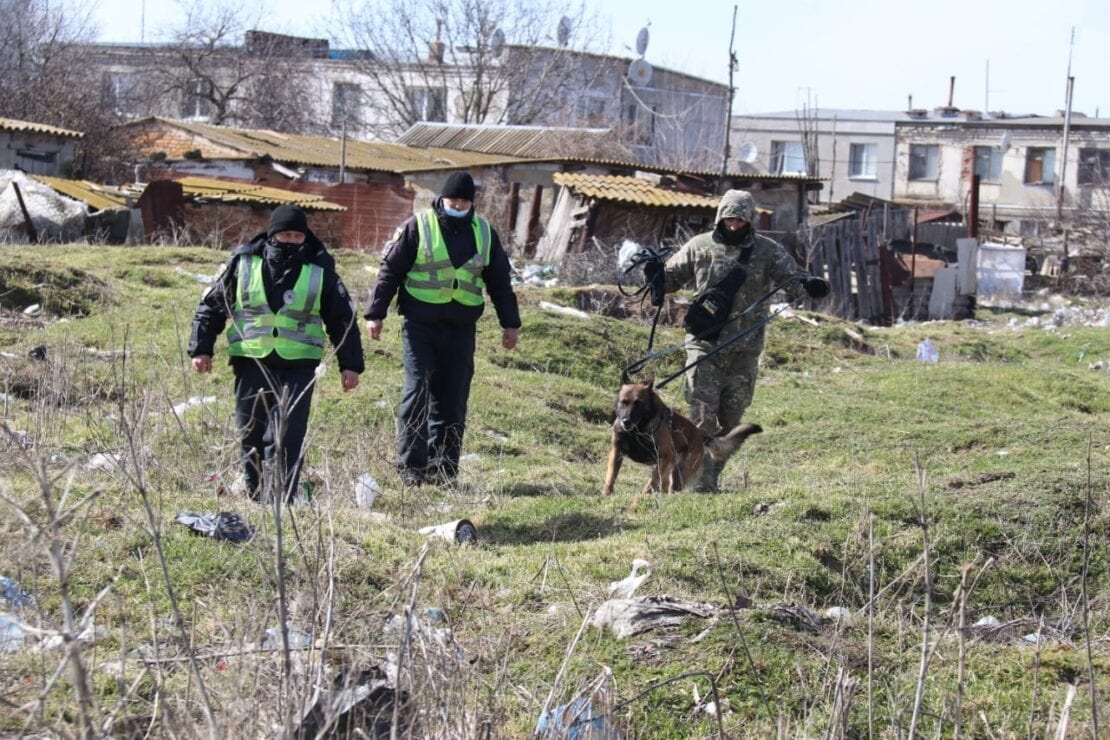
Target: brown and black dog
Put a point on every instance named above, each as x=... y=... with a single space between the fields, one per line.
x=650 y=432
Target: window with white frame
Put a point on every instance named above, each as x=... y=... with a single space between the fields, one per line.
x=428 y=103
x=1040 y=165
x=988 y=163
x=346 y=104
x=923 y=161
x=863 y=160
x=196 y=102
x=1094 y=167
x=788 y=158
x=119 y=91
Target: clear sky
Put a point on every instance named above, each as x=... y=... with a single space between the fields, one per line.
x=1009 y=54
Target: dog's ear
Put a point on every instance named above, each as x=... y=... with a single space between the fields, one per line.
x=650 y=382
x=625 y=378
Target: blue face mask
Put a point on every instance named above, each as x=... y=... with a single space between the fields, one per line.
x=453 y=212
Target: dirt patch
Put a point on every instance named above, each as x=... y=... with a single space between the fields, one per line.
x=62 y=291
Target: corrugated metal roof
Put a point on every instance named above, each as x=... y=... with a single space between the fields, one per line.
x=106 y=197
x=11 y=124
x=240 y=192
x=310 y=151
x=549 y=144
x=514 y=141
x=100 y=197
x=635 y=190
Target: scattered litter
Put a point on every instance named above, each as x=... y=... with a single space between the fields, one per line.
x=90 y=634
x=104 y=461
x=797 y=616
x=1098 y=366
x=297 y=639
x=1031 y=639
x=627 y=617
x=321 y=370
x=577 y=720
x=23 y=439
x=1003 y=453
x=226 y=525
x=987 y=621
x=203 y=279
x=839 y=614
x=366 y=490
x=626 y=588
x=193 y=402
x=5 y=398
x=565 y=310
x=38 y=353
x=358 y=705
x=709 y=707
x=33 y=310
x=11 y=634
x=379 y=516
x=470 y=457
x=927 y=351
x=11 y=592
x=461 y=531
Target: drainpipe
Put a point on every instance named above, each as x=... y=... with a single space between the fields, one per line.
x=973 y=209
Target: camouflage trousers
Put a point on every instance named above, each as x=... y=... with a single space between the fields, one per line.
x=720 y=389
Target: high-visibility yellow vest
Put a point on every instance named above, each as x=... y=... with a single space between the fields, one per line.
x=295 y=332
x=433 y=279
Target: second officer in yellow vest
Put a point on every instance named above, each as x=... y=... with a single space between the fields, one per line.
x=438 y=264
x=279 y=294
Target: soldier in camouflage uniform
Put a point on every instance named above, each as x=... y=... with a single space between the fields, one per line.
x=721 y=388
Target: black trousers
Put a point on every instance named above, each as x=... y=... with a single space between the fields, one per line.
x=439 y=365
x=271 y=409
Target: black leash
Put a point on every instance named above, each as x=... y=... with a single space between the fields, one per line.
x=636 y=366
x=656 y=289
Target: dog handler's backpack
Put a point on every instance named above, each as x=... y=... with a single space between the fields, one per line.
x=708 y=313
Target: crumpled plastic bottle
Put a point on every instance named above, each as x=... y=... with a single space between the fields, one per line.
x=927 y=351
x=366 y=490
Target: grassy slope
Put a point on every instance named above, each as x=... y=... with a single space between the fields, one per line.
x=843 y=429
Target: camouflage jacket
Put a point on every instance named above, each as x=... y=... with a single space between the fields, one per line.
x=704 y=260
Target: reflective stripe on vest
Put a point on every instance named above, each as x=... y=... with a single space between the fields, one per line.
x=433 y=279
x=295 y=332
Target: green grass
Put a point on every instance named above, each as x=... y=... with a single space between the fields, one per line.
x=1001 y=428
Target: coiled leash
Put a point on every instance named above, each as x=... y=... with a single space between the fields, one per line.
x=655 y=289
x=636 y=366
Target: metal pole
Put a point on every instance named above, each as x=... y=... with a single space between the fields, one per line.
x=731 y=95
x=343 y=150
x=973 y=209
x=1064 y=153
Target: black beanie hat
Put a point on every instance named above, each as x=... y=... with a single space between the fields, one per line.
x=287 y=218
x=459 y=185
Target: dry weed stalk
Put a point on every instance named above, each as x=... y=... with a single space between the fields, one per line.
x=926 y=624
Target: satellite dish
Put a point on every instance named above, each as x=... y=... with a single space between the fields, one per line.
x=642 y=41
x=748 y=152
x=1004 y=142
x=639 y=72
x=563 y=32
x=497 y=42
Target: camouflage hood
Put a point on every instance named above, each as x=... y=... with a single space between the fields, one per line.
x=736 y=204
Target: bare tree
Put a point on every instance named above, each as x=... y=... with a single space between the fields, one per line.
x=470 y=61
x=45 y=78
x=227 y=74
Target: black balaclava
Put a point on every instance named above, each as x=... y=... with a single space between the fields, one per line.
x=732 y=238
x=285 y=255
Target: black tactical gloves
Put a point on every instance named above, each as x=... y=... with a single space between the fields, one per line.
x=816 y=287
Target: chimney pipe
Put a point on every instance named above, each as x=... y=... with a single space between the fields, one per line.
x=909 y=102
x=951 y=89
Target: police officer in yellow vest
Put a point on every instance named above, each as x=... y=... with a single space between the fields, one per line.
x=438 y=263
x=282 y=294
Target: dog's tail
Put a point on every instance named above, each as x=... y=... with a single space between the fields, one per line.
x=722 y=448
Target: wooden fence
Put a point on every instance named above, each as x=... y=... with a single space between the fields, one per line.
x=847 y=252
